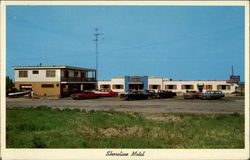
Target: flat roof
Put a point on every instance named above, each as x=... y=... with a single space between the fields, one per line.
x=167 y=79
x=104 y=81
x=192 y=80
x=118 y=78
x=51 y=67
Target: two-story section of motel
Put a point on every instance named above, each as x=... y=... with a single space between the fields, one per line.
x=56 y=81
x=156 y=83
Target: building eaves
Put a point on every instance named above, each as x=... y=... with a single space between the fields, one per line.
x=51 y=67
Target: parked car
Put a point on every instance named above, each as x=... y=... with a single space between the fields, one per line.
x=105 y=93
x=192 y=95
x=212 y=95
x=84 y=95
x=165 y=94
x=135 y=95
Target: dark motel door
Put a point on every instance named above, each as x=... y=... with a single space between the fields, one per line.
x=136 y=86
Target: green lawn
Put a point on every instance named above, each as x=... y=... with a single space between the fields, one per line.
x=43 y=127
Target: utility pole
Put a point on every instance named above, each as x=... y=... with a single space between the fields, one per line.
x=232 y=70
x=96 y=34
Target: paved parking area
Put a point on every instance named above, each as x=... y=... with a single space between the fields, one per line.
x=177 y=104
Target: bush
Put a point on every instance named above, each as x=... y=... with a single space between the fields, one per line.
x=38 y=143
x=235 y=114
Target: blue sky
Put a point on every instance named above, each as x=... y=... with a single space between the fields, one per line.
x=178 y=42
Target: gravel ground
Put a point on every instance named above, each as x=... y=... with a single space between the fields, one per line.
x=177 y=104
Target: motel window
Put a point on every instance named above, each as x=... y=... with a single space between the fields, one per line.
x=187 y=87
x=35 y=72
x=66 y=74
x=105 y=86
x=51 y=73
x=82 y=74
x=47 y=85
x=118 y=86
x=171 y=87
x=23 y=73
x=154 y=87
x=209 y=87
x=75 y=74
x=223 y=87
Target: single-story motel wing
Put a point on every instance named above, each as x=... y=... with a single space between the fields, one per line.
x=157 y=83
x=61 y=81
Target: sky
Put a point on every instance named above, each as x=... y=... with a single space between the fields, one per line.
x=178 y=42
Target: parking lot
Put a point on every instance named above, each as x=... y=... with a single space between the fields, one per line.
x=177 y=104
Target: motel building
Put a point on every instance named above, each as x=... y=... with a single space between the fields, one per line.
x=155 y=83
x=55 y=81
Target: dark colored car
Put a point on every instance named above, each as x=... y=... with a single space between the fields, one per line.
x=165 y=94
x=192 y=95
x=212 y=95
x=84 y=95
x=135 y=95
x=105 y=93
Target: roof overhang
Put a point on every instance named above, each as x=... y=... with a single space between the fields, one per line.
x=135 y=83
x=77 y=82
x=50 y=67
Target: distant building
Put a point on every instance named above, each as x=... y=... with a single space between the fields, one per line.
x=155 y=83
x=233 y=78
x=57 y=81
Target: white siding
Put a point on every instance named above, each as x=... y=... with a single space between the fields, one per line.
x=195 y=83
x=155 y=81
x=118 y=81
x=163 y=82
x=114 y=81
x=40 y=77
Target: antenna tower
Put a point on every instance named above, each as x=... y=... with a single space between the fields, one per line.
x=96 y=34
x=232 y=70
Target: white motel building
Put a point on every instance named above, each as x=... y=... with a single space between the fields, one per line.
x=127 y=83
x=62 y=81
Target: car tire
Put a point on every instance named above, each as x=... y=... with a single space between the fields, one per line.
x=150 y=97
x=79 y=98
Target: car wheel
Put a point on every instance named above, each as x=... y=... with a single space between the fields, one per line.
x=79 y=98
x=149 y=97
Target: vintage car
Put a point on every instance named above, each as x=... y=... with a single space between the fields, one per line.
x=105 y=93
x=135 y=95
x=84 y=95
x=192 y=95
x=165 y=94
x=211 y=95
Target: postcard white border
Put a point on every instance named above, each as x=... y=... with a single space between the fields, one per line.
x=97 y=154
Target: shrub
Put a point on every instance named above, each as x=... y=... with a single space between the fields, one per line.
x=235 y=114
x=38 y=143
